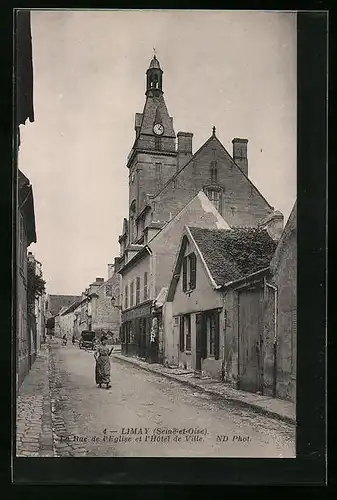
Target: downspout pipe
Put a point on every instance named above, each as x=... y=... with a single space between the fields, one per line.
x=275 y=333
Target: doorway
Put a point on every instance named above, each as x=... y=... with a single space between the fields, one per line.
x=250 y=333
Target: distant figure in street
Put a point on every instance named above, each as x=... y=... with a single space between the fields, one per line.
x=64 y=340
x=102 y=369
x=73 y=340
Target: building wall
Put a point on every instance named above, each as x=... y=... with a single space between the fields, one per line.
x=138 y=270
x=242 y=205
x=58 y=327
x=23 y=336
x=285 y=277
x=269 y=338
x=104 y=315
x=230 y=329
x=66 y=322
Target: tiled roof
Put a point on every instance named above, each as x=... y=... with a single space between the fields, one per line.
x=56 y=302
x=72 y=307
x=231 y=254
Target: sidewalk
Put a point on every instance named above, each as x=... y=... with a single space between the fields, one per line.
x=272 y=407
x=34 y=435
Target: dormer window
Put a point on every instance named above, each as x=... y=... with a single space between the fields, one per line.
x=189 y=272
x=215 y=197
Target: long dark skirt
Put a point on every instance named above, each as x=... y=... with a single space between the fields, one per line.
x=102 y=371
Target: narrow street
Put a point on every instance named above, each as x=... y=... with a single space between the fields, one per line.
x=144 y=414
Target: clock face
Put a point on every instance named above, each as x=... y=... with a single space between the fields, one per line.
x=158 y=129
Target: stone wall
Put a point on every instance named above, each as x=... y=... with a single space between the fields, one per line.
x=242 y=204
x=285 y=278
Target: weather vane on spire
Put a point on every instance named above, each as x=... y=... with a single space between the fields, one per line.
x=214 y=129
x=154 y=52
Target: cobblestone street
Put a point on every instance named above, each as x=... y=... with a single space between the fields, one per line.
x=132 y=418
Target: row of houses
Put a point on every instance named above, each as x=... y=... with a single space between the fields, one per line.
x=28 y=325
x=92 y=310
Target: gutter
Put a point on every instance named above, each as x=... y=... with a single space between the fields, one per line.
x=256 y=274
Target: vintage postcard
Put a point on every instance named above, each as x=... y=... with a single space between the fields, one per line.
x=156 y=233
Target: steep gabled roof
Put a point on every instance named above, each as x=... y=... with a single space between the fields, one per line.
x=235 y=253
x=226 y=254
x=57 y=302
x=210 y=139
x=72 y=307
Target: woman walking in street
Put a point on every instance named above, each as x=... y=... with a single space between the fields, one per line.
x=102 y=369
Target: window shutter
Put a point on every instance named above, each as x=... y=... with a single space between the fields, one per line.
x=216 y=336
x=181 y=334
x=204 y=321
x=185 y=274
x=193 y=271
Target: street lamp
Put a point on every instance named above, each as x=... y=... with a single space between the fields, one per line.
x=113 y=303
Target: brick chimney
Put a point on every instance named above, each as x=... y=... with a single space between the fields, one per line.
x=94 y=286
x=240 y=153
x=184 y=148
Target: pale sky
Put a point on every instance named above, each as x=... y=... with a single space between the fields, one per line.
x=232 y=69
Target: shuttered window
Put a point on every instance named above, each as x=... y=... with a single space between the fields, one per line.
x=185 y=274
x=137 y=290
x=181 y=335
x=188 y=332
x=131 y=293
x=189 y=272
x=193 y=274
x=126 y=298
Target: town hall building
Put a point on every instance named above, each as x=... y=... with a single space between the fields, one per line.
x=164 y=177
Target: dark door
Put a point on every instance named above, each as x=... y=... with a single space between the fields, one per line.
x=250 y=303
x=201 y=340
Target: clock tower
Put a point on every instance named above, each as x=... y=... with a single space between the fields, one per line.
x=153 y=158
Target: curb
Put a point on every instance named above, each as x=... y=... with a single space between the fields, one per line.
x=237 y=402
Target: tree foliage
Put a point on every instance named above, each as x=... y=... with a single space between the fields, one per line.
x=35 y=286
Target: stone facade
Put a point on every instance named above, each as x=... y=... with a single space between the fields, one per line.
x=39 y=309
x=26 y=234
x=157 y=258
x=203 y=298
x=213 y=170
